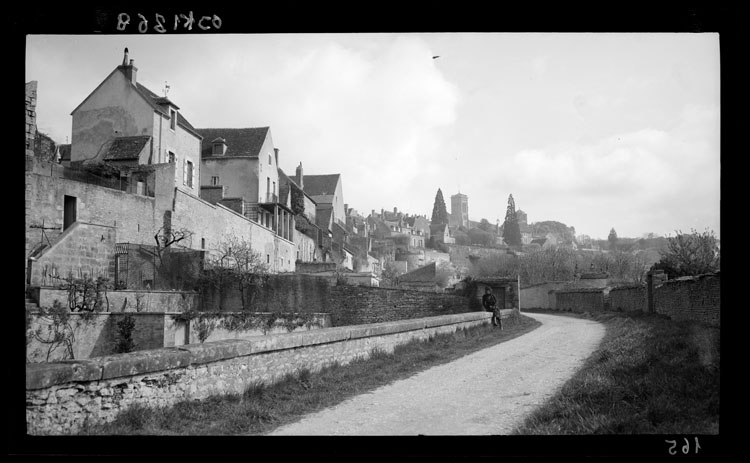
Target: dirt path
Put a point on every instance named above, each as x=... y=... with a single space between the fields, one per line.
x=487 y=392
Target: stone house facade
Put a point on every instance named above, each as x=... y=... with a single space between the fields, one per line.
x=122 y=121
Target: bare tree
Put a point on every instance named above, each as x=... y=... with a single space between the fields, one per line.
x=248 y=270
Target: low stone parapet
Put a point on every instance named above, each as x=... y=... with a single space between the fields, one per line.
x=61 y=396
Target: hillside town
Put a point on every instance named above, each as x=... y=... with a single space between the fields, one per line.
x=168 y=262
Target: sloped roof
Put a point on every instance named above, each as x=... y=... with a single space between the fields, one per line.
x=156 y=101
x=426 y=273
x=126 y=148
x=320 y=185
x=240 y=142
x=323 y=217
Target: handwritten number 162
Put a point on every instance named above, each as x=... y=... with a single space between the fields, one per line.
x=685 y=448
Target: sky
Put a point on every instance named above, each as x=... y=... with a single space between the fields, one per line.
x=595 y=130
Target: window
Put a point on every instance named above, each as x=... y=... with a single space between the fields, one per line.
x=188 y=180
x=269 y=159
x=214 y=180
x=203 y=243
x=172 y=119
x=171 y=157
x=69 y=211
x=268 y=258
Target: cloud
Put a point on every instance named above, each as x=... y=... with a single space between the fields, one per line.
x=645 y=180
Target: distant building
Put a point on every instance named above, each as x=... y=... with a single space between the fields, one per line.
x=459 y=211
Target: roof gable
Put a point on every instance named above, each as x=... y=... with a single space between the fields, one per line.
x=321 y=185
x=151 y=98
x=240 y=142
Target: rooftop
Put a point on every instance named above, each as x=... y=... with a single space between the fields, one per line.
x=240 y=142
x=126 y=148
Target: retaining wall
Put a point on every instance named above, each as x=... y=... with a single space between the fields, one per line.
x=691 y=298
x=580 y=300
x=348 y=305
x=629 y=299
x=128 y=300
x=61 y=396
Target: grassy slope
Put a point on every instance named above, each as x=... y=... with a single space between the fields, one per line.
x=651 y=375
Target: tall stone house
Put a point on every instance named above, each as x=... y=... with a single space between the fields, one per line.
x=240 y=170
x=123 y=122
x=78 y=225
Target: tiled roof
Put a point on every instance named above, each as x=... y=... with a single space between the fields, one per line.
x=125 y=148
x=240 y=142
x=322 y=199
x=323 y=217
x=320 y=185
x=426 y=273
x=156 y=100
x=64 y=152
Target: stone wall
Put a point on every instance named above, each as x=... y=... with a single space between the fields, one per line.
x=537 y=296
x=353 y=305
x=128 y=300
x=628 y=298
x=83 y=248
x=348 y=305
x=60 y=397
x=97 y=337
x=213 y=223
x=690 y=298
x=188 y=332
x=30 y=116
x=580 y=300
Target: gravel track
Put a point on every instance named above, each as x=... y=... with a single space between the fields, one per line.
x=487 y=392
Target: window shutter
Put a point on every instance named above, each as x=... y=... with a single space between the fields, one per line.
x=184 y=171
x=195 y=170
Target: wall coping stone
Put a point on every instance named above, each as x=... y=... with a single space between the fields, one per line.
x=43 y=375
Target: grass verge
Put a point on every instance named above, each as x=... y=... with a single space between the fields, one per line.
x=263 y=408
x=651 y=375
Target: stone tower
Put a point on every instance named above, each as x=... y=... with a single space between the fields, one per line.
x=459 y=210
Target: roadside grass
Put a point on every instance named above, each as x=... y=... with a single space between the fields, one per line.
x=261 y=408
x=650 y=375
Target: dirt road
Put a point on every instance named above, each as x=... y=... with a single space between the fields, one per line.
x=487 y=392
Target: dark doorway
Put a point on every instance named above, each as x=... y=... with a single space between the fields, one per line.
x=69 y=213
x=500 y=295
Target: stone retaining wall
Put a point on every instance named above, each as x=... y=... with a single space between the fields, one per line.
x=61 y=396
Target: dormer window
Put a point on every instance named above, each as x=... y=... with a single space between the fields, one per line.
x=172 y=119
x=219 y=147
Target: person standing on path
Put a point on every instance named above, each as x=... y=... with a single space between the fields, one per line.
x=489 y=302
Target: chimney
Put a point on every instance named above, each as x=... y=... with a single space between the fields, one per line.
x=395 y=210
x=372 y=213
x=129 y=68
x=300 y=176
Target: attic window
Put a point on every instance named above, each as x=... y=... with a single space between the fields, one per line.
x=269 y=159
x=172 y=119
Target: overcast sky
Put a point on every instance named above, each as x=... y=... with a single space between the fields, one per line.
x=593 y=130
